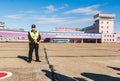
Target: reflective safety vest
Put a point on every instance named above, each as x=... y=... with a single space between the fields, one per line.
x=34 y=36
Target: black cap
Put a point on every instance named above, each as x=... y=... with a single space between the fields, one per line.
x=33 y=26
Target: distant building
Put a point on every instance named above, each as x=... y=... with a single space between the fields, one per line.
x=102 y=31
x=104 y=24
x=2 y=25
x=67 y=29
x=2 y=28
x=14 y=29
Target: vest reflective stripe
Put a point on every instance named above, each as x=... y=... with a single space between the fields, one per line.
x=34 y=35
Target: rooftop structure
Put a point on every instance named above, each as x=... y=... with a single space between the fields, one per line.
x=2 y=25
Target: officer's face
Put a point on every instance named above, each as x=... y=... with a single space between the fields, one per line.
x=33 y=29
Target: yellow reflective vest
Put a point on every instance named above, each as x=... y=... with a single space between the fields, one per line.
x=34 y=36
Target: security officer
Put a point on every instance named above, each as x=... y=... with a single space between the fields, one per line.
x=34 y=38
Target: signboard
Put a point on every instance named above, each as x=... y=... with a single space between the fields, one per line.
x=92 y=36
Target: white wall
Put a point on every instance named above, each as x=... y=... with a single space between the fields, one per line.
x=106 y=26
x=109 y=37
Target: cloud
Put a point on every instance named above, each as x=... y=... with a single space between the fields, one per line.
x=15 y=16
x=81 y=21
x=52 y=8
x=45 y=20
x=63 y=6
x=90 y=10
x=29 y=11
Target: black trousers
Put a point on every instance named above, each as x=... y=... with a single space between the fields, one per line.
x=33 y=46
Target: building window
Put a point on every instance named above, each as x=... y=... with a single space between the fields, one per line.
x=113 y=39
x=107 y=39
x=110 y=35
x=107 y=32
x=23 y=38
x=104 y=39
x=101 y=31
x=113 y=36
x=107 y=35
x=101 y=26
x=107 y=27
x=107 y=22
x=18 y=38
x=104 y=35
x=102 y=22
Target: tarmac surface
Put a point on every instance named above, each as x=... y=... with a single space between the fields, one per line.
x=62 y=62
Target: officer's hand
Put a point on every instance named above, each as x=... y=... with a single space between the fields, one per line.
x=35 y=40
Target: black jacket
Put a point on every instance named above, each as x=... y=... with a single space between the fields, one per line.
x=31 y=39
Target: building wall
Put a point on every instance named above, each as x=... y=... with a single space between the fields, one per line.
x=118 y=38
x=67 y=29
x=109 y=38
x=20 y=36
x=106 y=26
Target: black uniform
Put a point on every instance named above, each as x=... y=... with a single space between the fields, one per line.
x=32 y=46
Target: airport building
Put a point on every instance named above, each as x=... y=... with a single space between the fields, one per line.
x=104 y=24
x=2 y=25
x=102 y=31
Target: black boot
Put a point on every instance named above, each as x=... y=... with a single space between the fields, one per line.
x=37 y=60
x=29 y=61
